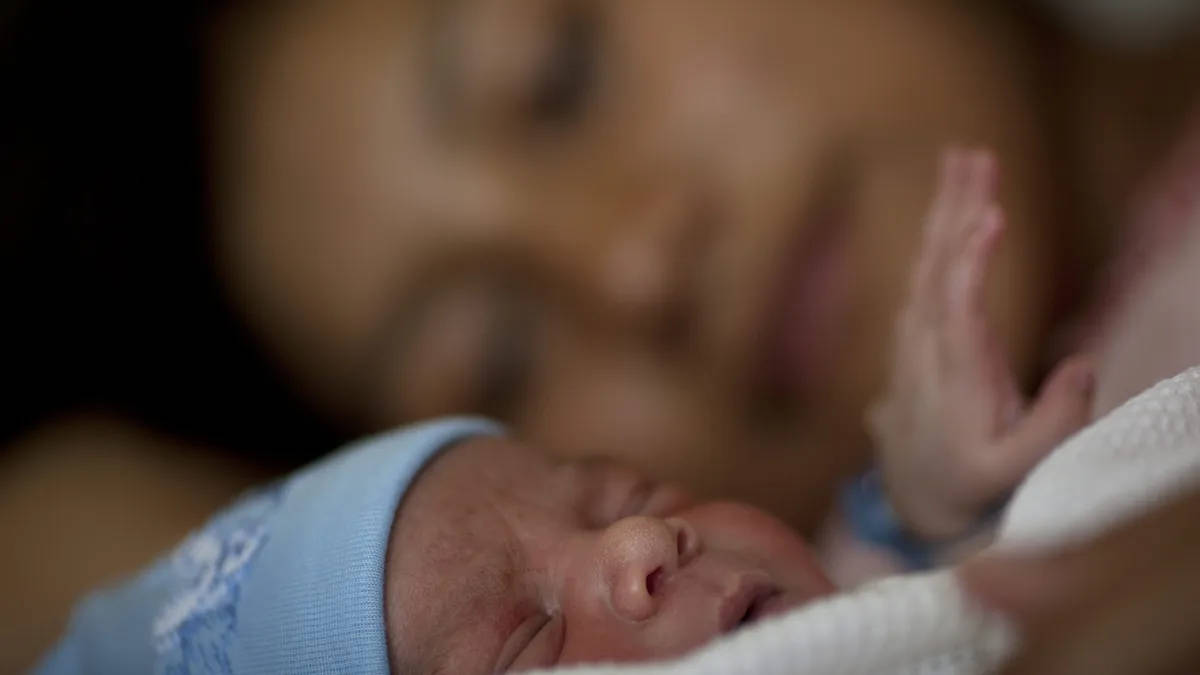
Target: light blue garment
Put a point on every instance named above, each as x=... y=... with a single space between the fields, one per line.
x=287 y=580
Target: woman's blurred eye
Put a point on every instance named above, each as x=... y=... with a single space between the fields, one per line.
x=569 y=73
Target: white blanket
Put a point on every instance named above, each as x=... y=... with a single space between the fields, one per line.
x=1136 y=457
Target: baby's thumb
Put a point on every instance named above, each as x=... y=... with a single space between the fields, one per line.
x=1061 y=408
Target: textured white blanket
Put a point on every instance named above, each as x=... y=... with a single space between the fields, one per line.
x=1136 y=457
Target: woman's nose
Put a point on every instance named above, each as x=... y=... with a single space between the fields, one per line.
x=643 y=268
x=639 y=555
x=637 y=254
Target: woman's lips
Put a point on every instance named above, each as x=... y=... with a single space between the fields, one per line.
x=803 y=325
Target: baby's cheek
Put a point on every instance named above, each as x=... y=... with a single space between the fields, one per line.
x=759 y=536
x=669 y=634
x=592 y=631
x=592 y=639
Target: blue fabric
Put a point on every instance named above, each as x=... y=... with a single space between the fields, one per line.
x=287 y=580
x=872 y=519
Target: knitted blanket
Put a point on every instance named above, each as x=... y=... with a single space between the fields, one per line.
x=1123 y=464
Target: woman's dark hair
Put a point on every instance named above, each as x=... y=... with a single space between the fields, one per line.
x=110 y=295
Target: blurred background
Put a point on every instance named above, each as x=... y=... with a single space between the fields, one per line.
x=234 y=235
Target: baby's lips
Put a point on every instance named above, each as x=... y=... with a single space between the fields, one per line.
x=745 y=600
x=786 y=601
x=821 y=583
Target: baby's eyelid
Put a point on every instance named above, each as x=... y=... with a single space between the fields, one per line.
x=517 y=644
x=667 y=499
x=543 y=647
x=637 y=499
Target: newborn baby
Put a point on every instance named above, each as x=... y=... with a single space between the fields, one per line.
x=446 y=548
x=501 y=559
x=497 y=559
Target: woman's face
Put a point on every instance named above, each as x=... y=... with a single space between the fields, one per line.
x=672 y=231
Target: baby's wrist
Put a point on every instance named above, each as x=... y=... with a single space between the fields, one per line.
x=874 y=520
x=923 y=515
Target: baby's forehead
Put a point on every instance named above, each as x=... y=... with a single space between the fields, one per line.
x=490 y=495
x=480 y=472
x=455 y=550
x=487 y=473
x=460 y=503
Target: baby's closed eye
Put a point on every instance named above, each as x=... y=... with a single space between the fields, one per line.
x=536 y=643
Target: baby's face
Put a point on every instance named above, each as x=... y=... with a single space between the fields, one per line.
x=502 y=560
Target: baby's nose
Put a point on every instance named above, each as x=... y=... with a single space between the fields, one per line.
x=640 y=554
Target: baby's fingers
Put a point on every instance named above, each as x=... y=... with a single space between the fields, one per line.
x=969 y=274
x=979 y=195
x=947 y=197
x=968 y=341
x=1061 y=409
x=946 y=205
x=966 y=193
x=966 y=183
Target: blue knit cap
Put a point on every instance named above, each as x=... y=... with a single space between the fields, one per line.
x=287 y=580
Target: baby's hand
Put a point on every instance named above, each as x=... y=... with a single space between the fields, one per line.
x=953 y=434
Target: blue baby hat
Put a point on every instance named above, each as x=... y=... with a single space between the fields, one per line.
x=287 y=580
